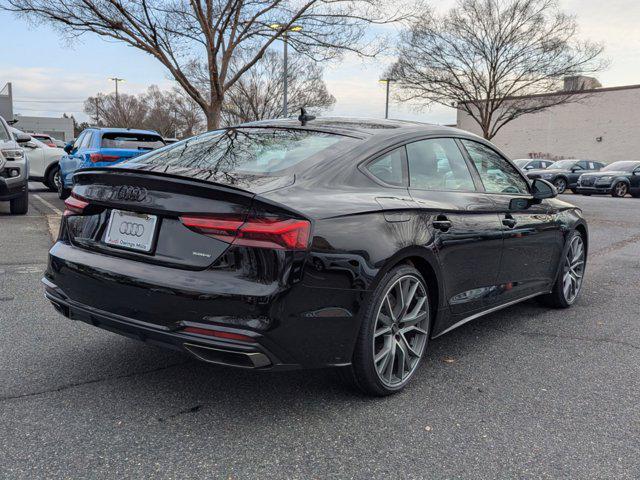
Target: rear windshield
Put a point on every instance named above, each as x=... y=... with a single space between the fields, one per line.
x=248 y=150
x=131 y=141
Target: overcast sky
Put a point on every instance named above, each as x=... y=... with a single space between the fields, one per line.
x=50 y=76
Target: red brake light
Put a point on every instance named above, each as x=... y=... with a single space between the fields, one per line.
x=219 y=334
x=99 y=157
x=269 y=232
x=74 y=205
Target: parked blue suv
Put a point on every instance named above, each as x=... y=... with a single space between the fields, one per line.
x=103 y=147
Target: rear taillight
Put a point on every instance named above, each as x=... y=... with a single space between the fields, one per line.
x=99 y=157
x=74 y=205
x=268 y=232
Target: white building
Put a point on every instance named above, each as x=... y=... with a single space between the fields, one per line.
x=604 y=126
x=60 y=127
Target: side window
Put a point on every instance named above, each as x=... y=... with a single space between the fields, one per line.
x=582 y=165
x=498 y=175
x=536 y=164
x=86 y=141
x=388 y=168
x=438 y=164
x=78 y=141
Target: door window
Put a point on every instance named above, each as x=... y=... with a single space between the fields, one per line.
x=438 y=164
x=78 y=141
x=388 y=168
x=497 y=174
x=86 y=141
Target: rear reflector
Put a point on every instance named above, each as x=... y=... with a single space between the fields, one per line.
x=219 y=334
x=268 y=232
x=74 y=205
x=99 y=157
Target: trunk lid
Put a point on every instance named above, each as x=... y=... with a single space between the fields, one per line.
x=159 y=201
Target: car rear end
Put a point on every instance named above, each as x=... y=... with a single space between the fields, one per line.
x=118 y=146
x=214 y=268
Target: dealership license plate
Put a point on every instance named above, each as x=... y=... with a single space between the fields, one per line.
x=131 y=230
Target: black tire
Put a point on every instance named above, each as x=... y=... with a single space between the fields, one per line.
x=573 y=190
x=362 y=372
x=561 y=184
x=20 y=205
x=619 y=190
x=557 y=298
x=63 y=193
x=50 y=181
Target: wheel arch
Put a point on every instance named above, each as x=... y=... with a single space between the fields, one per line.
x=424 y=260
x=51 y=166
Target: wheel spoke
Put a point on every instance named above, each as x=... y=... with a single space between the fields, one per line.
x=408 y=346
x=382 y=331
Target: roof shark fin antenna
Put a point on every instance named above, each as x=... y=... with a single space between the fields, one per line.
x=304 y=118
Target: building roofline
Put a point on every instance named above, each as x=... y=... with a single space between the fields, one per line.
x=576 y=92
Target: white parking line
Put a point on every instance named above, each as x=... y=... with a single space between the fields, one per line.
x=51 y=207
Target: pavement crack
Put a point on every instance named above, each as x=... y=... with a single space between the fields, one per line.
x=89 y=382
x=569 y=337
x=616 y=246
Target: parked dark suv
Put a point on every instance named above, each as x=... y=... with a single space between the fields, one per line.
x=616 y=179
x=564 y=174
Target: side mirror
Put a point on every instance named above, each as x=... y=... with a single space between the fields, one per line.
x=68 y=147
x=30 y=145
x=23 y=138
x=540 y=189
x=529 y=167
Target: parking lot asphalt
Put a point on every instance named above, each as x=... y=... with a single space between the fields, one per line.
x=523 y=393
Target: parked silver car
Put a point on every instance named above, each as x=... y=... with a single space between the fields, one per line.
x=14 y=169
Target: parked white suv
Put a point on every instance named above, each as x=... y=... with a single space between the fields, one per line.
x=14 y=172
x=43 y=161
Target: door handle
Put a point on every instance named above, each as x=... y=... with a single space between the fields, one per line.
x=442 y=223
x=509 y=221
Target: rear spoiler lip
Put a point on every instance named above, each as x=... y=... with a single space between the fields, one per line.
x=133 y=171
x=259 y=197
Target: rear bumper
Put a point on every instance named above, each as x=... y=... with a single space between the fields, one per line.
x=231 y=353
x=297 y=326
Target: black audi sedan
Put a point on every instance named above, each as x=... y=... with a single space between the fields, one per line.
x=342 y=243
x=564 y=174
x=616 y=179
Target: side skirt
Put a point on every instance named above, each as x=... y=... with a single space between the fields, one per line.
x=486 y=312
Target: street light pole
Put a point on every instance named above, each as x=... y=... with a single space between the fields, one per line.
x=388 y=82
x=285 y=95
x=116 y=80
x=285 y=99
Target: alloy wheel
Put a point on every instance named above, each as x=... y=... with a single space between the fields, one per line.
x=401 y=330
x=560 y=185
x=57 y=180
x=573 y=271
x=620 y=189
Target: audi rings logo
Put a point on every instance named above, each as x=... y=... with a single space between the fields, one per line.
x=132 y=229
x=132 y=194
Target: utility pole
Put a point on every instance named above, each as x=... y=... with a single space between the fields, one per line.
x=117 y=80
x=97 y=111
x=388 y=82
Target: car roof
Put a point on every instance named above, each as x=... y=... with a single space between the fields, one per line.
x=123 y=130
x=360 y=127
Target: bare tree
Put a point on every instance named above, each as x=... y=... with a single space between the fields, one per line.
x=259 y=93
x=169 y=112
x=208 y=35
x=484 y=56
x=125 y=111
